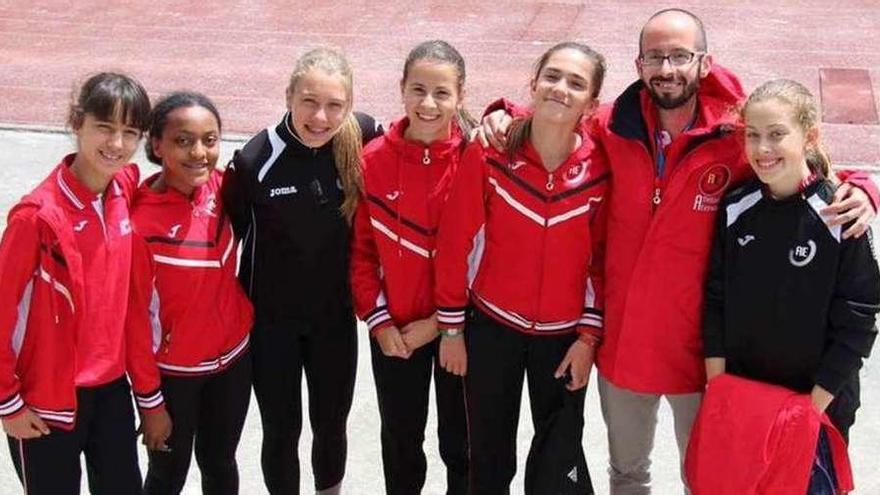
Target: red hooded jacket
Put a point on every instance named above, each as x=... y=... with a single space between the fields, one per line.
x=660 y=233
x=406 y=185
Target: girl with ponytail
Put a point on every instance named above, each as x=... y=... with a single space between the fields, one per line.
x=407 y=176
x=291 y=194
x=790 y=301
x=518 y=287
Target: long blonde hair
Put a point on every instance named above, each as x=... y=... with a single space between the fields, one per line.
x=348 y=140
x=806 y=114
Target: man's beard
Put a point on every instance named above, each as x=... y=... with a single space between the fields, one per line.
x=672 y=102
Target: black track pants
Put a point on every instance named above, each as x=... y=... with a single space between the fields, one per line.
x=498 y=359
x=327 y=352
x=104 y=432
x=208 y=411
x=402 y=387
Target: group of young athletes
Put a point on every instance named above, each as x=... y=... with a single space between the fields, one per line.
x=476 y=255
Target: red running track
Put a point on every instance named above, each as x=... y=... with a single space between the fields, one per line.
x=240 y=53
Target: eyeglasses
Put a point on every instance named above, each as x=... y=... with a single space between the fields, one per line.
x=677 y=58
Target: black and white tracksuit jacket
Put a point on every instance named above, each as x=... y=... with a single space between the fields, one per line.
x=283 y=199
x=788 y=301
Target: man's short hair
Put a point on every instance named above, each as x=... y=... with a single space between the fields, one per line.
x=702 y=44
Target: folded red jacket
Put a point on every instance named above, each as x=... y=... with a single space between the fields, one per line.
x=753 y=438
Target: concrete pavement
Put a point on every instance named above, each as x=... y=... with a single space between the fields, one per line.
x=27 y=156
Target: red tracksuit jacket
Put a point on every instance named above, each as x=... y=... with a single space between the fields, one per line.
x=43 y=306
x=524 y=244
x=753 y=438
x=406 y=185
x=184 y=290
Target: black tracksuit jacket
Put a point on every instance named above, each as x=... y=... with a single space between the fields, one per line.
x=788 y=301
x=283 y=199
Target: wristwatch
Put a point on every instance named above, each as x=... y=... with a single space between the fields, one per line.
x=451 y=332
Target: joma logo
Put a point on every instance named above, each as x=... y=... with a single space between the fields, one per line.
x=282 y=191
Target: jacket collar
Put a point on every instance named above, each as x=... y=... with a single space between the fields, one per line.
x=146 y=194
x=73 y=190
x=634 y=115
x=416 y=150
x=530 y=155
x=290 y=138
x=814 y=184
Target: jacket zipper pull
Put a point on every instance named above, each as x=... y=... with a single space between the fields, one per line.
x=399 y=221
x=656 y=199
x=426 y=160
x=52 y=300
x=549 y=184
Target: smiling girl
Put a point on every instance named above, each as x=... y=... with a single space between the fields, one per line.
x=291 y=194
x=519 y=241
x=65 y=263
x=185 y=294
x=789 y=300
x=407 y=175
